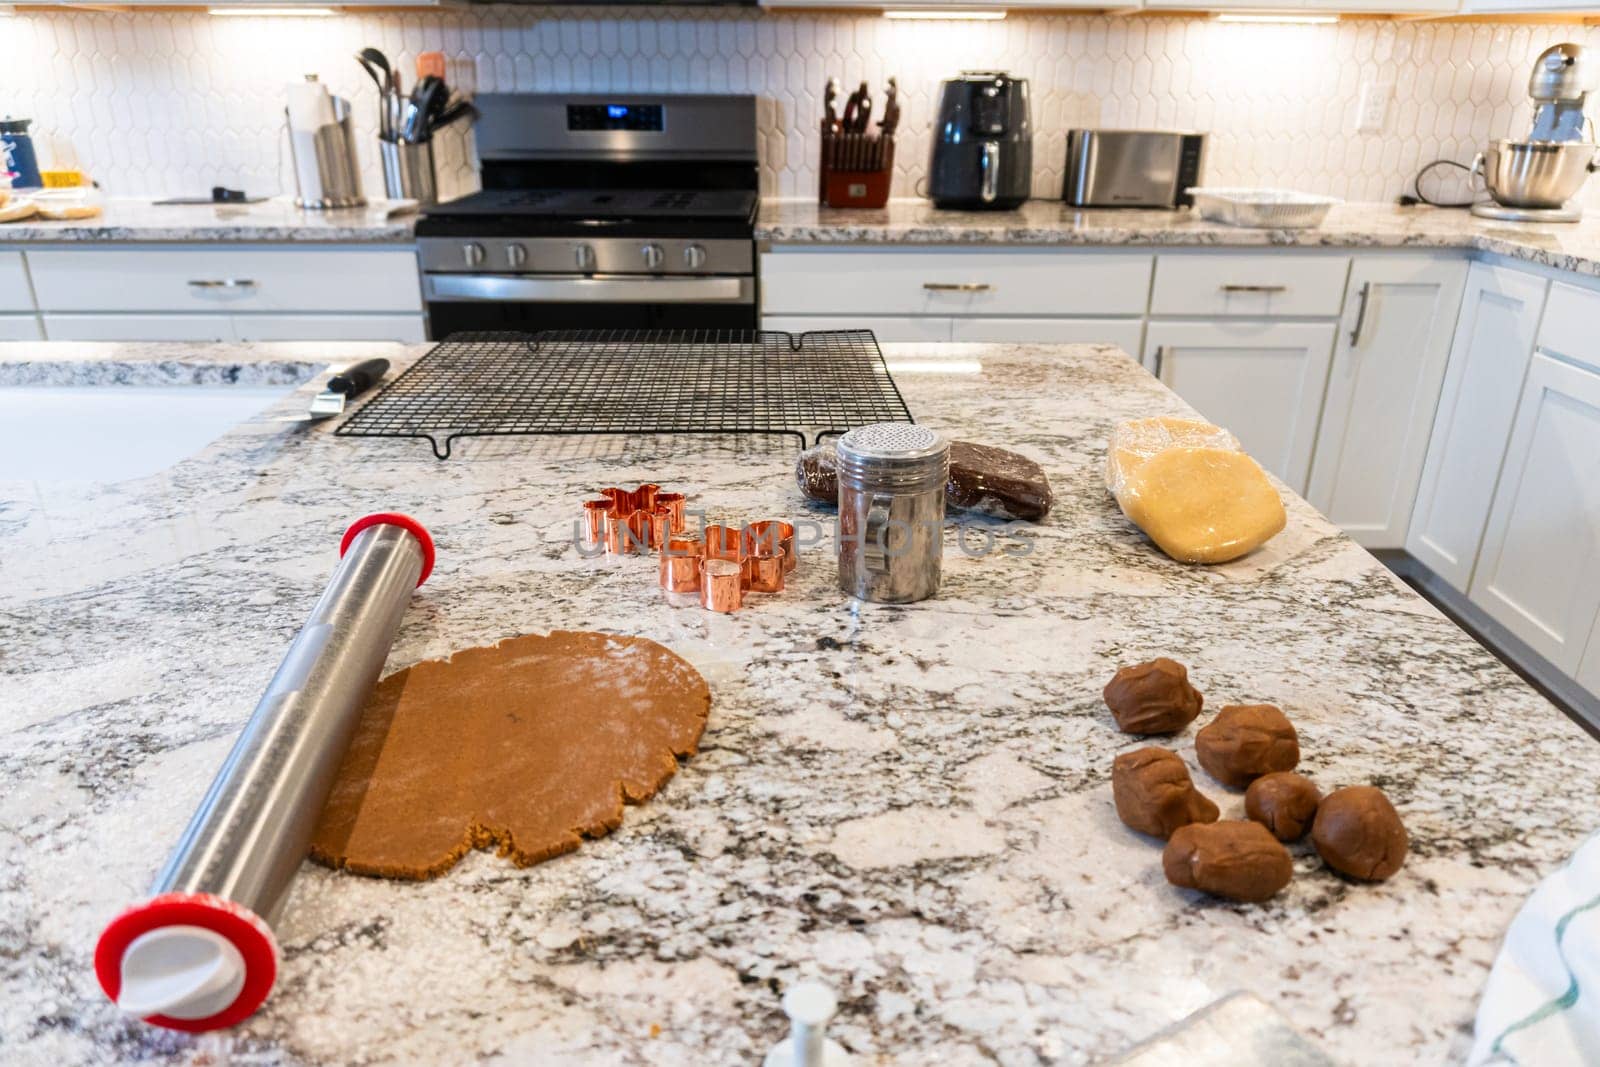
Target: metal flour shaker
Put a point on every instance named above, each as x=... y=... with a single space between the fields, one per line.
x=891 y=511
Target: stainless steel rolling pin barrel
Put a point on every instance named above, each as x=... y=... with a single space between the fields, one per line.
x=199 y=954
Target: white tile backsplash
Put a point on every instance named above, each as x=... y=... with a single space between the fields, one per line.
x=171 y=102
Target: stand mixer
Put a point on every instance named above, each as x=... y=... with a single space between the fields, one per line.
x=1535 y=180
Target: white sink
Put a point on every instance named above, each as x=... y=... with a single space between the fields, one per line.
x=111 y=433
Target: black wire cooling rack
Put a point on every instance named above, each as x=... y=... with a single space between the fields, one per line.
x=636 y=382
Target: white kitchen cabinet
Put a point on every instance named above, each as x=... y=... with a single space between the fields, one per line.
x=884 y=327
x=15 y=292
x=226 y=280
x=1589 y=668
x=1493 y=343
x=138 y=327
x=1538 y=574
x=1262 y=380
x=20 y=328
x=1388 y=363
x=407 y=329
x=1259 y=285
x=951 y=281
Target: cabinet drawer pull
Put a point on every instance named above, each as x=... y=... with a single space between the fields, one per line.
x=222 y=283
x=1255 y=288
x=1361 y=315
x=957 y=287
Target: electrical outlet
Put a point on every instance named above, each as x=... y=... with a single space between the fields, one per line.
x=1372 y=110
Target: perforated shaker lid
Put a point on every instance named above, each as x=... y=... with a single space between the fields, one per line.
x=894 y=441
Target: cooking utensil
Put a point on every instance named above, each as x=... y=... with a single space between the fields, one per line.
x=453 y=112
x=428 y=98
x=430 y=64
x=219 y=195
x=199 y=954
x=340 y=390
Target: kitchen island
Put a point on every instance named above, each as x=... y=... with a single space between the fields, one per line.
x=911 y=803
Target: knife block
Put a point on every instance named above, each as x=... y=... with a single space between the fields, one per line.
x=856 y=170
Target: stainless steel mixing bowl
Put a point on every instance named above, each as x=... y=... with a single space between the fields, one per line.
x=1535 y=174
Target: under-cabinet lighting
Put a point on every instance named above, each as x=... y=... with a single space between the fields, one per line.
x=1271 y=16
x=965 y=16
x=275 y=12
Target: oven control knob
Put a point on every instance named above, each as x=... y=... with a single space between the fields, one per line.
x=516 y=254
x=473 y=253
x=654 y=257
x=694 y=257
x=583 y=256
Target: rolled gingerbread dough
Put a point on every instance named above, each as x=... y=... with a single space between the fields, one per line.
x=527 y=747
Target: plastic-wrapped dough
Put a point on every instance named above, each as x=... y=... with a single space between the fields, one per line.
x=1189 y=487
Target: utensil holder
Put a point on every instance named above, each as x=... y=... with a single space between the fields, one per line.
x=408 y=171
x=856 y=170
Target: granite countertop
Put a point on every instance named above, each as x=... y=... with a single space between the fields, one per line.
x=912 y=803
x=1569 y=246
x=274 y=220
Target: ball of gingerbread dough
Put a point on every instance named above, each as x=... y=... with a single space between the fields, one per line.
x=1154 y=794
x=1284 y=802
x=1246 y=741
x=1357 y=832
x=1153 y=698
x=1239 y=860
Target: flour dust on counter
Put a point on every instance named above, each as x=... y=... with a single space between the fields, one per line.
x=910 y=804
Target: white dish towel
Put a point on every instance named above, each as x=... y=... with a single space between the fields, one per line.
x=1541 y=1006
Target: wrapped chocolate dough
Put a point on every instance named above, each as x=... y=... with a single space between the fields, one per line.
x=993 y=481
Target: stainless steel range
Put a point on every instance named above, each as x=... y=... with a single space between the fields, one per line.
x=597 y=212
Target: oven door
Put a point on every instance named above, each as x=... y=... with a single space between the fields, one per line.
x=460 y=302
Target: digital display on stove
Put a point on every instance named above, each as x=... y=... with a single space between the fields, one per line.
x=645 y=117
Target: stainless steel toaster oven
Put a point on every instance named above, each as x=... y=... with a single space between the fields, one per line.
x=1132 y=168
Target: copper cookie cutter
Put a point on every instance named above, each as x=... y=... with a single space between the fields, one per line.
x=728 y=562
x=633 y=520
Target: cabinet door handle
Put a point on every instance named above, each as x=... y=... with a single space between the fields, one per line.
x=1361 y=314
x=1161 y=355
x=957 y=287
x=1255 y=288
x=222 y=283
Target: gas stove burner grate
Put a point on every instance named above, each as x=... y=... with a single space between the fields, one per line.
x=637 y=382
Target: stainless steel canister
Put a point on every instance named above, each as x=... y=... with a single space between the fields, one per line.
x=891 y=511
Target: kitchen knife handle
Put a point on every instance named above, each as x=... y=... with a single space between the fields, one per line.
x=353 y=381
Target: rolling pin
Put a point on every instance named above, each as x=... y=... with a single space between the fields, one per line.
x=198 y=954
